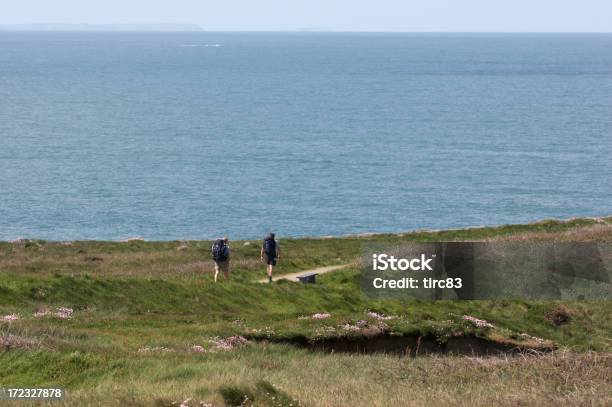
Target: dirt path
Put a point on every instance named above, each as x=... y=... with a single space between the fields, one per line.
x=294 y=276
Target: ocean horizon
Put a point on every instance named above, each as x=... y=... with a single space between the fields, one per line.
x=195 y=135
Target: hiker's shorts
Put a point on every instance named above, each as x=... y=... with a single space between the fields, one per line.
x=270 y=260
x=222 y=266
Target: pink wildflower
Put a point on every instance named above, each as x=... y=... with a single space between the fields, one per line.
x=198 y=349
x=227 y=344
x=351 y=328
x=64 y=313
x=10 y=318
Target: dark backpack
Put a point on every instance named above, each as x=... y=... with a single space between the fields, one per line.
x=269 y=247
x=218 y=250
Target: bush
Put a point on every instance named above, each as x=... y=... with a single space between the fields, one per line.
x=264 y=394
x=237 y=396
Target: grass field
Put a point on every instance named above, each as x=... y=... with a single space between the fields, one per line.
x=142 y=323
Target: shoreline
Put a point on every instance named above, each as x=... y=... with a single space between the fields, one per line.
x=602 y=220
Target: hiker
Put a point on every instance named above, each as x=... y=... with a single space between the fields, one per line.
x=221 y=257
x=270 y=252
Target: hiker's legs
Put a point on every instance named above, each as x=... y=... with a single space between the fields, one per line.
x=222 y=267
x=270 y=272
x=225 y=268
x=216 y=272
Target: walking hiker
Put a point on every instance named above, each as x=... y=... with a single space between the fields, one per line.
x=270 y=252
x=221 y=257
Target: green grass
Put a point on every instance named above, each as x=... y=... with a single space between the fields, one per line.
x=129 y=297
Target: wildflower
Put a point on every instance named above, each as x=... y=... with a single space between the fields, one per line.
x=41 y=313
x=64 y=313
x=350 y=328
x=380 y=317
x=325 y=330
x=319 y=315
x=10 y=318
x=198 y=349
x=252 y=330
x=535 y=338
x=227 y=344
x=480 y=323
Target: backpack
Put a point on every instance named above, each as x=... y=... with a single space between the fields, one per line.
x=269 y=247
x=218 y=250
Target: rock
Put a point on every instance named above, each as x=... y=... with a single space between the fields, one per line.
x=20 y=240
x=133 y=239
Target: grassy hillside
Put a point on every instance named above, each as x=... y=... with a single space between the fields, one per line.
x=145 y=325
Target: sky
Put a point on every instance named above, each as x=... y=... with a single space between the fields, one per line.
x=335 y=15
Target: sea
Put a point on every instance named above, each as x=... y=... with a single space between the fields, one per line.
x=195 y=135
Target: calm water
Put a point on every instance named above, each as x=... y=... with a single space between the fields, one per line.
x=194 y=135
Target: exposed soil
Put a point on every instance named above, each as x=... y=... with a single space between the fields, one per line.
x=408 y=345
x=559 y=316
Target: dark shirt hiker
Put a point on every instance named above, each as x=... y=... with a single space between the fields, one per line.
x=270 y=253
x=221 y=257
